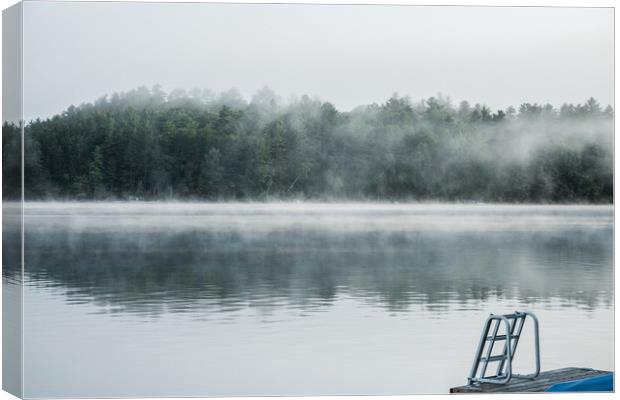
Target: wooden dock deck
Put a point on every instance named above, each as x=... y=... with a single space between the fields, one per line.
x=540 y=384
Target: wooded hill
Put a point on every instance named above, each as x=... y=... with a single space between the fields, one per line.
x=146 y=144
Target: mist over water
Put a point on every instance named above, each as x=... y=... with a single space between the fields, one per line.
x=357 y=298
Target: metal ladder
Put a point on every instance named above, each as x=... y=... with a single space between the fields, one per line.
x=513 y=326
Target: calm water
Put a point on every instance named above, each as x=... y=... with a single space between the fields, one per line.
x=139 y=299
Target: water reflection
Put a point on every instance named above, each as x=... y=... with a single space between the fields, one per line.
x=150 y=259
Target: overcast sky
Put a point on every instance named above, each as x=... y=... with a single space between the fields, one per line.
x=349 y=55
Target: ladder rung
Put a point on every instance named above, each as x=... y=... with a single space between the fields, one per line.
x=500 y=376
x=494 y=358
x=502 y=337
x=513 y=316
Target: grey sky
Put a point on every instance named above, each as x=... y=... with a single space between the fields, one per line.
x=349 y=55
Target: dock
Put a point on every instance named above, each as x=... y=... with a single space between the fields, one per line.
x=538 y=384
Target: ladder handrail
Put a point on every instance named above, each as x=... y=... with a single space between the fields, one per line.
x=536 y=346
x=510 y=347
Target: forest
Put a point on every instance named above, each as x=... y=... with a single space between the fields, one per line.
x=146 y=144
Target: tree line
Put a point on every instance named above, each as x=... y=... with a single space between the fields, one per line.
x=147 y=144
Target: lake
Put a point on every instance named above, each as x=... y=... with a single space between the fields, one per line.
x=189 y=299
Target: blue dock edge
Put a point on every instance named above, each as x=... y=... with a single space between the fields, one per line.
x=601 y=383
